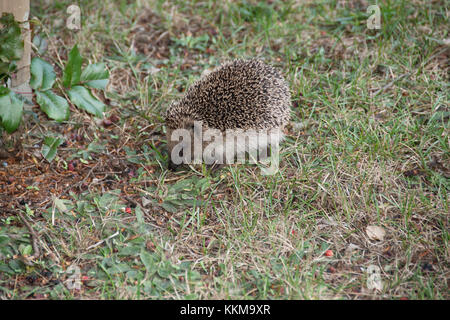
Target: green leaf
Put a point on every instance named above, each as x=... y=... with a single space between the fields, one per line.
x=169 y=207
x=95 y=76
x=165 y=269
x=25 y=250
x=17 y=265
x=28 y=210
x=42 y=75
x=40 y=43
x=83 y=98
x=140 y=220
x=4 y=239
x=11 y=109
x=50 y=146
x=119 y=268
x=7 y=68
x=149 y=262
x=126 y=251
x=72 y=72
x=54 y=106
x=6 y=269
x=10 y=38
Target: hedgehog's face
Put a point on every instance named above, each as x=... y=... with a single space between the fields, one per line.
x=181 y=142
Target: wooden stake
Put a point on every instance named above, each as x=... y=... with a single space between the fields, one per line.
x=21 y=11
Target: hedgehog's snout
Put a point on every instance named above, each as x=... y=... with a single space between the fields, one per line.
x=176 y=147
x=172 y=166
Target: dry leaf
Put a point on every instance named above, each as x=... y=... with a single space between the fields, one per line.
x=145 y=202
x=375 y=233
x=374 y=278
x=58 y=203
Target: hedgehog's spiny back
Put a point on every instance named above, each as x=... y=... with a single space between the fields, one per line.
x=245 y=94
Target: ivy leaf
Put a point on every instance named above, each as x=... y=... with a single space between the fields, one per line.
x=41 y=44
x=42 y=75
x=50 y=147
x=11 y=109
x=83 y=98
x=10 y=38
x=95 y=75
x=54 y=106
x=25 y=250
x=72 y=72
x=6 y=69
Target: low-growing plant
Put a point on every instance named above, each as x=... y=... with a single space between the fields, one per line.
x=76 y=82
x=11 y=50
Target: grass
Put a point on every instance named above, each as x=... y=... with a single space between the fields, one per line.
x=368 y=145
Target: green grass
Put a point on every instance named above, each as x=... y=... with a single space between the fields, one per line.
x=368 y=144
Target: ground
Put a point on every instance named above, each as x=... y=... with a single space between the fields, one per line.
x=367 y=147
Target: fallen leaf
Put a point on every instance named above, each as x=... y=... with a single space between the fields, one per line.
x=374 y=278
x=375 y=233
x=60 y=205
x=145 y=202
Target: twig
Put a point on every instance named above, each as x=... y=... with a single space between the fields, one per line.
x=143 y=191
x=34 y=236
x=390 y=84
x=23 y=92
x=87 y=176
x=165 y=180
x=101 y=241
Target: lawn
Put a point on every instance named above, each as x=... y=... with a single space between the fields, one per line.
x=359 y=208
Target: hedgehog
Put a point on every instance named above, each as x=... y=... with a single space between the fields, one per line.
x=241 y=96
